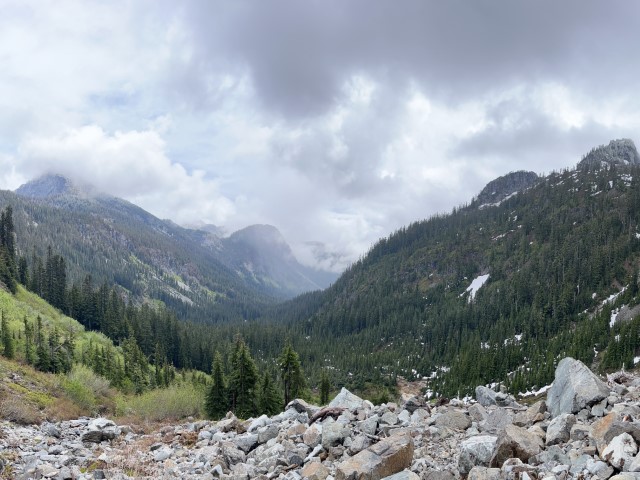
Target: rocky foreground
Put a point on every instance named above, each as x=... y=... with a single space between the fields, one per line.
x=586 y=428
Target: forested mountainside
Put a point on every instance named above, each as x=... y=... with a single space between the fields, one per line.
x=198 y=274
x=469 y=297
x=482 y=294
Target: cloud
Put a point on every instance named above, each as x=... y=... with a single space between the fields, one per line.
x=338 y=122
x=132 y=165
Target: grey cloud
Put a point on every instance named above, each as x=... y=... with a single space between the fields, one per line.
x=300 y=53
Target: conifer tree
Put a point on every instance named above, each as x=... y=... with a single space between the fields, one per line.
x=325 y=387
x=216 y=402
x=7 y=338
x=29 y=352
x=243 y=381
x=270 y=398
x=293 y=382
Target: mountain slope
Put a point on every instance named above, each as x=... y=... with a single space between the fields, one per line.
x=470 y=297
x=198 y=274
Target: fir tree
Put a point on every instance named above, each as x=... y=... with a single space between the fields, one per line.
x=325 y=387
x=293 y=381
x=7 y=338
x=243 y=381
x=216 y=402
x=270 y=398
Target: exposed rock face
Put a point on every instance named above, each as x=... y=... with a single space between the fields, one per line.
x=617 y=152
x=497 y=190
x=574 y=388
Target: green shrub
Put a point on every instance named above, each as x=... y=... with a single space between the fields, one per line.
x=173 y=403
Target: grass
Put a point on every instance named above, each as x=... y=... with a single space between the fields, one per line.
x=174 y=403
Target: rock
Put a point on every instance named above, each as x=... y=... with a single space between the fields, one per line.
x=533 y=414
x=413 y=403
x=476 y=451
x=487 y=397
x=333 y=434
x=497 y=419
x=559 y=429
x=610 y=426
x=515 y=442
x=314 y=471
x=100 y=429
x=161 y=454
x=620 y=451
x=313 y=435
x=574 y=388
x=346 y=399
x=404 y=475
x=246 y=442
x=454 y=419
x=390 y=455
x=369 y=425
x=478 y=413
x=51 y=430
x=267 y=433
x=389 y=418
x=302 y=406
x=484 y=473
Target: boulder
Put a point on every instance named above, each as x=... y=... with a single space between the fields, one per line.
x=559 y=429
x=476 y=451
x=346 y=399
x=486 y=397
x=484 y=473
x=413 y=403
x=620 y=451
x=574 y=387
x=315 y=471
x=390 y=455
x=533 y=414
x=334 y=434
x=302 y=406
x=454 y=419
x=515 y=442
x=610 y=426
x=100 y=429
x=403 y=475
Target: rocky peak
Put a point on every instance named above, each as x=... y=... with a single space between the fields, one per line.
x=618 y=152
x=53 y=185
x=502 y=187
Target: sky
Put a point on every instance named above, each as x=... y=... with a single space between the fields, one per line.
x=337 y=121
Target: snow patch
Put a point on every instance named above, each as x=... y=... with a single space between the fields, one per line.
x=476 y=284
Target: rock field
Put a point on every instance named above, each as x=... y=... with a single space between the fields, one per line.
x=586 y=428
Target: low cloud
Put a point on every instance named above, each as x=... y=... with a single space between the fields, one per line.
x=132 y=165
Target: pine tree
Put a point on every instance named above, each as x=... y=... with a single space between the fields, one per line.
x=243 y=381
x=216 y=402
x=29 y=352
x=270 y=398
x=325 y=387
x=7 y=338
x=293 y=381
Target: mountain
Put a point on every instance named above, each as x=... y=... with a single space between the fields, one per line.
x=199 y=274
x=498 y=190
x=617 y=152
x=479 y=295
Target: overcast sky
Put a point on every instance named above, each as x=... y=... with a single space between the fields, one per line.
x=337 y=121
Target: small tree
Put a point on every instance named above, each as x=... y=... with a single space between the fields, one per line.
x=216 y=402
x=325 y=387
x=270 y=398
x=293 y=382
x=243 y=382
x=7 y=339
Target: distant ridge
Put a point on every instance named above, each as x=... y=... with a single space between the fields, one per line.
x=499 y=189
